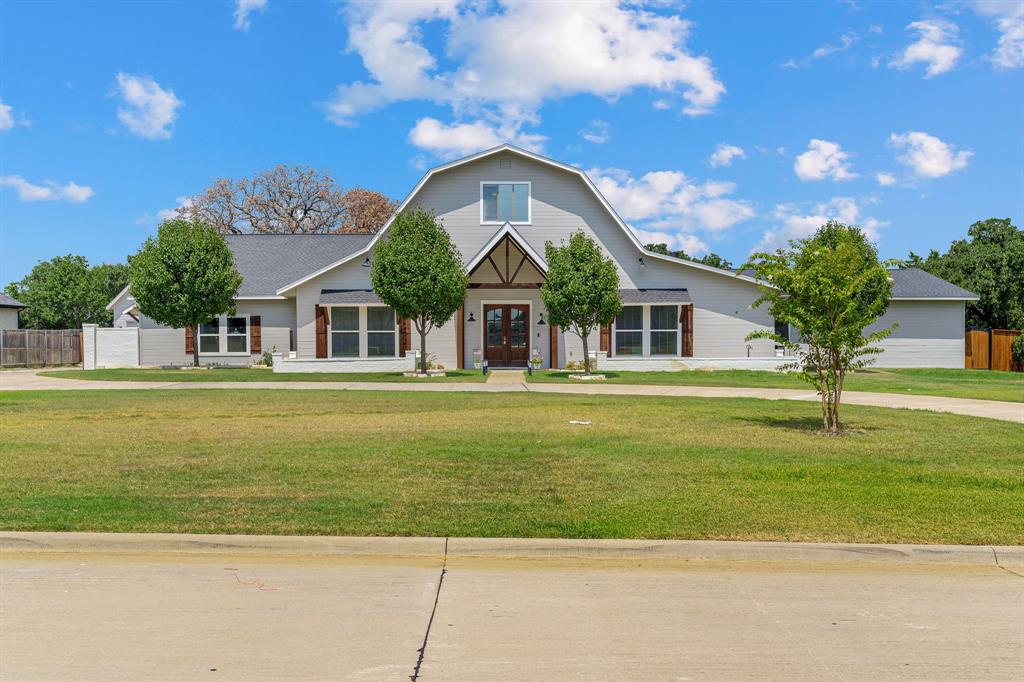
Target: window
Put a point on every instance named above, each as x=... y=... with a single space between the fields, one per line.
x=504 y=201
x=664 y=330
x=380 y=332
x=209 y=336
x=227 y=334
x=782 y=329
x=345 y=332
x=629 y=331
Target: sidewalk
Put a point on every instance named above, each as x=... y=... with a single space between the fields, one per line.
x=505 y=381
x=174 y=607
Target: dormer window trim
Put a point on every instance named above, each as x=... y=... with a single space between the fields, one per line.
x=500 y=220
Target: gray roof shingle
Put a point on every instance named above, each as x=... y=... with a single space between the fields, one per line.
x=268 y=262
x=629 y=296
x=8 y=302
x=353 y=296
x=916 y=283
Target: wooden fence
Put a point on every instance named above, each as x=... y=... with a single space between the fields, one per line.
x=40 y=347
x=990 y=349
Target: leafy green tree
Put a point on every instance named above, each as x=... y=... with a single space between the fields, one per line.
x=711 y=258
x=184 y=276
x=581 y=291
x=991 y=264
x=64 y=293
x=830 y=287
x=110 y=278
x=418 y=271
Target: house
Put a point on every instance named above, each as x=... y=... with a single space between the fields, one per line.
x=309 y=297
x=10 y=311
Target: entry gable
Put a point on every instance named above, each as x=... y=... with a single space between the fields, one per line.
x=506 y=260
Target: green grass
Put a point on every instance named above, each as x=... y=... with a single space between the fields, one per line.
x=509 y=465
x=249 y=374
x=951 y=383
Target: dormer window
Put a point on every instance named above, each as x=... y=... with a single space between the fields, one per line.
x=502 y=202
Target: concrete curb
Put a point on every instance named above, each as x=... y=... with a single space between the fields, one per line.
x=502 y=548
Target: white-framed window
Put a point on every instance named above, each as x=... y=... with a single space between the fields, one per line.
x=502 y=202
x=345 y=332
x=629 y=331
x=225 y=335
x=664 y=330
x=369 y=331
x=381 y=332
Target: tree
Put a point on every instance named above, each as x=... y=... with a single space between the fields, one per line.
x=581 y=291
x=830 y=287
x=288 y=199
x=185 y=276
x=991 y=264
x=711 y=258
x=64 y=293
x=418 y=271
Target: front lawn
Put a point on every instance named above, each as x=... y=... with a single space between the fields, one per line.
x=509 y=465
x=951 y=383
x=250 y=374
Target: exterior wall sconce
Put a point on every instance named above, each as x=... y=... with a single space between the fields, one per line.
x=541 y=320
x=642 y=263
x=471 y=318
x=366 y=263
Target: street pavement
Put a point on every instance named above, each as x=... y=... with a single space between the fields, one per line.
x=133 y=607
x=501 y=382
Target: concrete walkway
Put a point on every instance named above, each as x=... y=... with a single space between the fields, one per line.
x=88 y=606
x=29 y=380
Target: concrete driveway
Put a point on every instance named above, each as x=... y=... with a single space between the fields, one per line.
x=81 y=607
x=502 y=382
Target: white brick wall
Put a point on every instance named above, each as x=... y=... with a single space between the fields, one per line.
x=109 y=347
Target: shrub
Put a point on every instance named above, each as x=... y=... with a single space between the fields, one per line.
x=1017 y=350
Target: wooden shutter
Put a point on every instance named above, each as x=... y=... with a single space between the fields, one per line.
x=190 y=341
x=606 y=338
x=255 y=334
x=321 y=331
x=404 y=337
x=554 y=347
x=686 y=328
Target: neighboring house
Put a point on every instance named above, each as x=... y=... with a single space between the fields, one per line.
x=10 y=310
x=310 y=298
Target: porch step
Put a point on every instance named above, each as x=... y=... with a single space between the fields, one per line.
x=506 y=376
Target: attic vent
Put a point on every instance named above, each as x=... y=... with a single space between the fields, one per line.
x=504 y=163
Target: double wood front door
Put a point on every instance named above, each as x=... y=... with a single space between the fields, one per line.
x=507 y=335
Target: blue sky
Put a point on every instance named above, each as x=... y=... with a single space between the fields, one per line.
x=714 y=126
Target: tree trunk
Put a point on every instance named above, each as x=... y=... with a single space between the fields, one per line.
x=423 y=346
x=195 y=349
x=586 y=355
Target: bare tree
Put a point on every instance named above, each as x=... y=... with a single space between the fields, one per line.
x=288 y=200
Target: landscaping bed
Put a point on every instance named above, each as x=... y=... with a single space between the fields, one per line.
x=508 y=465
x=252 y=374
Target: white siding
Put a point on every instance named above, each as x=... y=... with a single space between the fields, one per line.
x=351 y=275
x=8 y=318
x=162 y=345
x=931 y=334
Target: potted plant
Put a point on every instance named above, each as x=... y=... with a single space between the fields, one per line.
x=535 y=360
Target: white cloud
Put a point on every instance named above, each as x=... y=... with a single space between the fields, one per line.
x=507 y=63
x=148 y=109
x=6 y=117
x=459 y=139
x=846 y=41
x=937 y=46
x=793 y=223
x=1009 y=20
x=724 y=155
x=669 y=199
x=885 y=179
x=243 y=8
x=823 y=159
x=48 y=191
x=597 y=131
x=164 y=213
x=927 y=156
